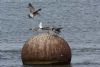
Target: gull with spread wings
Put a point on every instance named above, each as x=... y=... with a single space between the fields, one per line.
x=32 y=10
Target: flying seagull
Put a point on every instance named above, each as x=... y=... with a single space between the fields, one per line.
x=32 y=10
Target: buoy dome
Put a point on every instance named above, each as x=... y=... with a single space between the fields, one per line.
x=46 y=49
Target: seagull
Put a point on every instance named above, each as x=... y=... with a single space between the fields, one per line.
x=48 y=29
x=33 y=12
x=40 y=25
x=57 y=30
x=39 y=28
x=43 y=28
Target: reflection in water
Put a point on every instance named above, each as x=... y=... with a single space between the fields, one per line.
x=47 y=65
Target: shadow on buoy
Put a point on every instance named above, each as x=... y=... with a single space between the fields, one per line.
x=47 y=65
x=46 y=49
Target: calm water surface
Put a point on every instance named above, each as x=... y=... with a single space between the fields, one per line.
x=79 y=18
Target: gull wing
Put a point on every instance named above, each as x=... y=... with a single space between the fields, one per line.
x=31 y=8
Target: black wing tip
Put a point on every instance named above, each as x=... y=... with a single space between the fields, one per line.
x=30 y=29
x=39 y=9
x=29 y=4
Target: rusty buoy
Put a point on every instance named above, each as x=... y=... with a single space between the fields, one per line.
x=46 y=49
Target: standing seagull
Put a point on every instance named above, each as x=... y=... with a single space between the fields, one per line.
x=39 y=28
x=51 y=30
x=56 y=30
x=33 y=12
x=40 y=25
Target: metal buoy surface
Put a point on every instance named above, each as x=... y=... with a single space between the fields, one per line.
x=46 y=49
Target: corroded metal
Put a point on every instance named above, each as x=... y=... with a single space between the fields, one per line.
x=46 y=49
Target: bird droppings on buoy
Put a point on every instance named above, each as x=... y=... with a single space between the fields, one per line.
x=46 y=49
